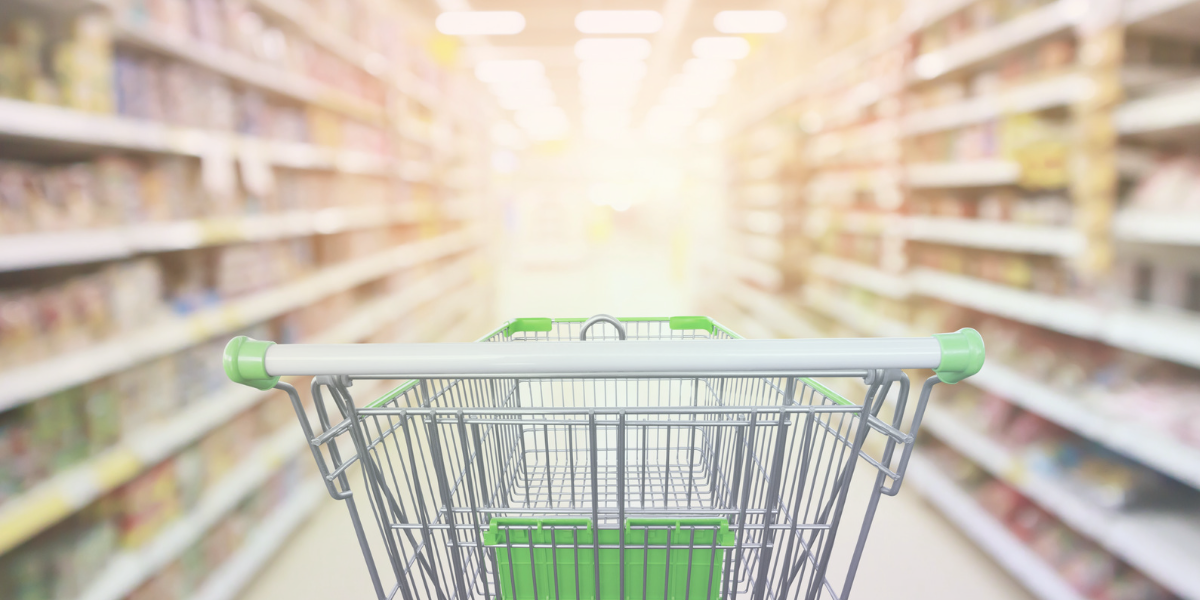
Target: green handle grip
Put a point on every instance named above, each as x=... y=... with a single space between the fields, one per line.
x=245 y=363
x=962 y=355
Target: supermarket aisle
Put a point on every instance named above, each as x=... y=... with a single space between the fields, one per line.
x=914 y=553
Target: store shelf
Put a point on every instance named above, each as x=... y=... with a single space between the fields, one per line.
x=864 y=321
x=1145 y=10
x=1060 y=314
x=53 y=124
x=1153 y=227
x=995 y=235
x=302 y=17
x=249 y=71
x=1163 y=333
x=37 y=250
x=1008 y=36
x=1164 y=545
x=23 y=384
x=860 y=275
x=980 y=173
x=261 y=544
x=1160 y=113
x=1156 y=449
x=762 y=274
x=989 y=534
x=1043 y=95
x=771 y=312
x=60 y=496
x=128 y=570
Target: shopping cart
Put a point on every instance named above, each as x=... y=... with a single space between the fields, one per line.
x=610 y=459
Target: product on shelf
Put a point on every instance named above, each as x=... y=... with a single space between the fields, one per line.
x=1085 y=566
x=1127 y=387
x=78 y=74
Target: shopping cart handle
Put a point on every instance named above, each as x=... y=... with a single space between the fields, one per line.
x=953 y=356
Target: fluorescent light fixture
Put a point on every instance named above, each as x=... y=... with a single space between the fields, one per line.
x=619 y=21
x=481 y=22
x=612 y=70
x=750 y=21
x=509 y=71
x=612 y=49
x=716 y=69
x=720 y=48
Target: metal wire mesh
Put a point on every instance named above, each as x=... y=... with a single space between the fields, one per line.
x=441 y=459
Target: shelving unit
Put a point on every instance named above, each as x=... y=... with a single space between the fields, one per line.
x=1164 y=544
x=939 y=203
x=29 y=382
x=395 y=249
x=991 y=537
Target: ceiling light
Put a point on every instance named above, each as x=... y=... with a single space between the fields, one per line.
x=716 y=69
x=509 y=71
x=481 y=22
x=750 y=21
x=612 y=70
x=612 y=49
x=720 y=48
x=619 y=21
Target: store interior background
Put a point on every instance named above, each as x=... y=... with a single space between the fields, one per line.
x=177 y=172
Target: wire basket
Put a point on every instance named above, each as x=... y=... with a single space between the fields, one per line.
x=608 y=459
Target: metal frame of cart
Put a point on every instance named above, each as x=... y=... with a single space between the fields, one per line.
x=609 y=458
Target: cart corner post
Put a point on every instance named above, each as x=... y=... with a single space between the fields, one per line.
x=962 y=355
x=245 y=362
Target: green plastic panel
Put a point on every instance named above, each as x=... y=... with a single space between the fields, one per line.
x=245 y=362
x=531 y=324
x=663 y=573
x=962 y=355
x=703 y=323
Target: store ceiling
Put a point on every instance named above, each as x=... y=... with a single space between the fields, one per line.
x=550 y=36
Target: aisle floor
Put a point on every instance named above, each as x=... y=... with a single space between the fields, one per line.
x=913 y=553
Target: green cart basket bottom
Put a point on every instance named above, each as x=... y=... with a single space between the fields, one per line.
x=665 y=559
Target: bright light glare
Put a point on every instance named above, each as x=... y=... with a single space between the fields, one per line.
x=720 y=48
x=716 y=69
x=612 y=49
x=543 y=123
x=518 y=88
x=750 y=21
x=608 y=95
x=614 y=99
x=509 y=71
x=617 y=195
x=670 y=117
x=679 y=96
x=702 y=85
x=506 y=134
x=481 y=22
x=612 y=70
x=619 y=21
x=528 y=98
